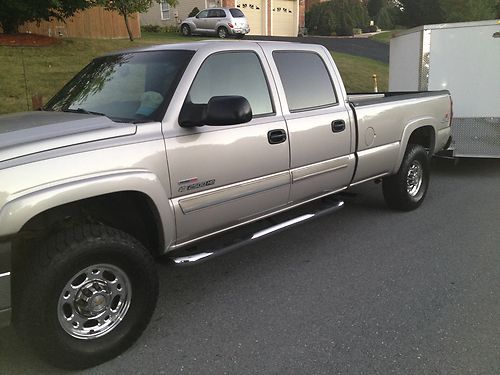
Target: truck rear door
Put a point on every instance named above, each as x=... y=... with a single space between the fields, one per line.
x=318 y=120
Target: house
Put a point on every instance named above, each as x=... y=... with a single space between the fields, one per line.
x=266 y=17
x=95 y=23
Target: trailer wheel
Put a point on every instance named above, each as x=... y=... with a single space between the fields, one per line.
x=90 y=293
x=406 y=189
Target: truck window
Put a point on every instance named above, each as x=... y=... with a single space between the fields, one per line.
x=233 y=73
x=305 y=79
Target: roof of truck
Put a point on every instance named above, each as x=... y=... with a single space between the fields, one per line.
x=195 y=46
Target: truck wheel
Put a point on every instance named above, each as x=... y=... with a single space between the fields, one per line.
x=222 y=32
x=86 y=296
x=406 y=190
x=185 y=30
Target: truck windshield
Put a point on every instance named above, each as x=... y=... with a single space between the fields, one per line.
x=128 y=87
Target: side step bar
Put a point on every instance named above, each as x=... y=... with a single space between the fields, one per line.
x=202 y=256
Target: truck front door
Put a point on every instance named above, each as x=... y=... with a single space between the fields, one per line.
x=226 y=175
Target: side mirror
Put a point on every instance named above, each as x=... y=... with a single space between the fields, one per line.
x=228 y=110
x=220 y=110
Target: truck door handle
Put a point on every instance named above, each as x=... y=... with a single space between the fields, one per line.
x=338 y=126
x=276 y=136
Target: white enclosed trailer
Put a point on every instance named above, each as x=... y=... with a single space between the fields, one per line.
x=463 y=58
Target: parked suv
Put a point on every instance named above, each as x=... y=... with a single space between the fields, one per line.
x=220 y=21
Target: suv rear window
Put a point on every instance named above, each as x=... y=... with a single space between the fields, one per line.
x=236 y=13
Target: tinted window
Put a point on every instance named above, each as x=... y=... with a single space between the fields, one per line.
x=232 y=73
x=202 y=14
x=305 y=79
x=213 y=13
x=126 y=87
x=222 y=14
x=236 y=13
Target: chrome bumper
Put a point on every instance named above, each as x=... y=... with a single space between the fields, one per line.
x=5 y=298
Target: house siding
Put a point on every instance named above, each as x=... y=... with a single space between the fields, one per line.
x=177 y=14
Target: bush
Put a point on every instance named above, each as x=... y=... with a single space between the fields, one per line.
x=194 y=12
x=151 y=28
x=171 y=29
x=336 y=16
x=370 y=29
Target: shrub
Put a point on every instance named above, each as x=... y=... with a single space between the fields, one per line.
x=370 y=29
x=151 y=28
x=339 y=16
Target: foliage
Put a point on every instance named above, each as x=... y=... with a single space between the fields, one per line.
x=469 y=10
x=421 y=12
x=151 y=28
x=336 y=16
x=13 y=13
x=194 y=12
x=374 y=7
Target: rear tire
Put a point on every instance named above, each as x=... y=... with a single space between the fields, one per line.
x=86 y=296
x=222 y=32
x=406 y=189
x=185 y=30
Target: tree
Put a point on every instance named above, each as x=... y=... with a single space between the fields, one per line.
x=339 y=16
x=128 y=7
x=421 y=12
x=469 y=10
x=14 y=13
x=374 y=7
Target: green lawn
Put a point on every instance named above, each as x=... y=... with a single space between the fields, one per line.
x=385 y=36
x=44 y=70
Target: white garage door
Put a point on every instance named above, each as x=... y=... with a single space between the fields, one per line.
x=254 y=12
x=284 y=19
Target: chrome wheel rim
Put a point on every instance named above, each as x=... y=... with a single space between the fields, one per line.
x=222 y=33
x=185 y=30
x=94 y=301
x=414 y=178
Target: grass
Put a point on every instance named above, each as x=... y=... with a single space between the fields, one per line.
x=385 y=36
x=357 y=72
x=46 y=69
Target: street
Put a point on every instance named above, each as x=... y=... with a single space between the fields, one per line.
x=366 y=290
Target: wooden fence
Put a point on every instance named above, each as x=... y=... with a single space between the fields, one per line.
x=95 y=23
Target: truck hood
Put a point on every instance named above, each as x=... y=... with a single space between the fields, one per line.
x=33 y=132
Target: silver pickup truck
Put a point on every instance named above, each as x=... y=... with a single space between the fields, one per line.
x=183 y=151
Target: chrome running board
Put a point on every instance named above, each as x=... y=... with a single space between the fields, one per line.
x=203 y=255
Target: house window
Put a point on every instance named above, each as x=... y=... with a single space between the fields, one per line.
x=165 y=10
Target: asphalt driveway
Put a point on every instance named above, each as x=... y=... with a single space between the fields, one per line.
x=363 y=47
x=364 y=291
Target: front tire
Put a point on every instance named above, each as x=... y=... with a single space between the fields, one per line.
x=185 y=30
x=406 y=190
x=87 y=297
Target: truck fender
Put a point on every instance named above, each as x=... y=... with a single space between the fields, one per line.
x=26 y=204
x=408 y=131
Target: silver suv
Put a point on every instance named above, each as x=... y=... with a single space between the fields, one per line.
x=220 y=21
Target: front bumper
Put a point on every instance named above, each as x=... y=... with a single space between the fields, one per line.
x=5 y=289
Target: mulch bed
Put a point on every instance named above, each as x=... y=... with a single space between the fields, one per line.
x=27 y=40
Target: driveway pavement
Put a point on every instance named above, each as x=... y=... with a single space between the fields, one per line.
x=364 y=291
x=363 y=47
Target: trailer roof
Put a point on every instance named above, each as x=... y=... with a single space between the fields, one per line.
x=448 y=26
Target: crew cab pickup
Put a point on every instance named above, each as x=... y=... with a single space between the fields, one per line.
x=166 y=151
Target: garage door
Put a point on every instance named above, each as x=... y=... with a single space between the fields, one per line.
x=284 y=19
x=254 y=12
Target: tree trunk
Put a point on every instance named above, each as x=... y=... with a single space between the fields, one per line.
x=125 y=17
